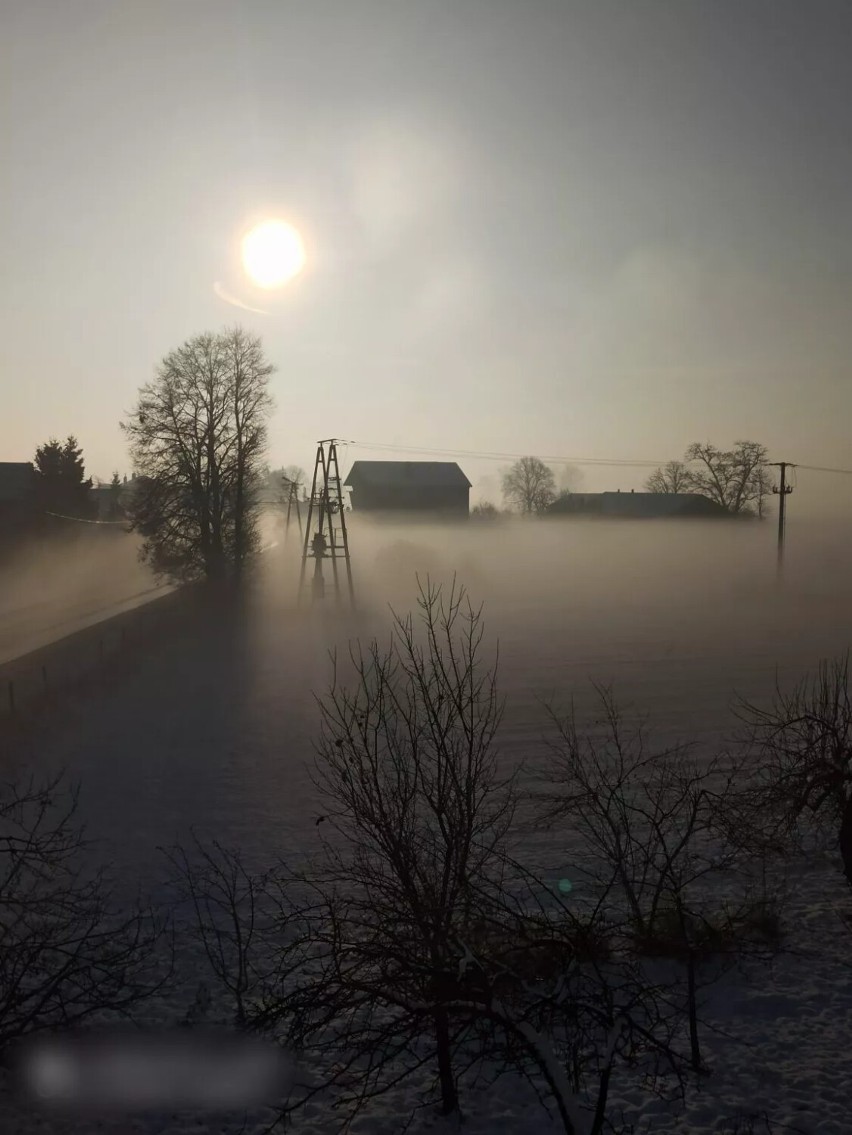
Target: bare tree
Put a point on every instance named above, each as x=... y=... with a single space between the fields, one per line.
x=417 y=938
x=764 y=488
x=673 y=477
x=802 y=745
x=197 y=438
x=485 y=510
x=280 y=481
x=406 y=769
x=529 y=485
x=67 y=952
x=294 y=475
x=734 y=478
x=653 y=827
x=251 y=931
x=569 y=479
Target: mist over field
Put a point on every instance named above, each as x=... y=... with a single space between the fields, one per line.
x=215 y=729
x=51 y=586
x=209 y=733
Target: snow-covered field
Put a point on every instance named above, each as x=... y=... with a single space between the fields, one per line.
x=212 y=735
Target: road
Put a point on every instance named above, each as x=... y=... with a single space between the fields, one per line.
x=31 y=626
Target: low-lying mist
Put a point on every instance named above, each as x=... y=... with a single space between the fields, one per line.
x=47 y=583
x=677 y=615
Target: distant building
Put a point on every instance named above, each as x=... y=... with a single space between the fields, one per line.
x=109 y=502
x=17 y=497
x=17 y=487
x=426 y=488
x=102 y=497
x=637 y=505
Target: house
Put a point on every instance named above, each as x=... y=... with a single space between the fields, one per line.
x=427 y=488
x=646 y=506
x=17 y=495
x=102 y=496
x=109 y=502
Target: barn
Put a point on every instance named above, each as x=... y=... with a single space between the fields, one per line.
x=425 y=488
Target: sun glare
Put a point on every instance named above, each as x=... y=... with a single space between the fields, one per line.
x=273 y=253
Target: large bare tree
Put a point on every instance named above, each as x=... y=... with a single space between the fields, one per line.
x=734 y=478
x=197 y=438
x=737 y=478
x=529 y=485
x=673 y=477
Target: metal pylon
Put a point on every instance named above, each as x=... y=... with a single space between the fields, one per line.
x=293 y=504
x=325 y=531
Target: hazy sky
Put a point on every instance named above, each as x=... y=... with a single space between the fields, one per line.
x=599 y=229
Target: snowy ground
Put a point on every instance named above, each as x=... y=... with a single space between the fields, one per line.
x=212 y=735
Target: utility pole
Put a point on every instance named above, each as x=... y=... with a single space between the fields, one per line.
x=783 y=490
x=292 y=499
x=325 y=530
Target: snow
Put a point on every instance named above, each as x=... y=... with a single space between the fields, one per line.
x=213 y=735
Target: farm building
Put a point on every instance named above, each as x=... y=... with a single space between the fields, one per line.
x=637 y=505
x=422 y=487
x=17 y=495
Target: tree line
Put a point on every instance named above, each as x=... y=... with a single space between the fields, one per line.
x=62 y=488
x=736 y=479
x=197 y=438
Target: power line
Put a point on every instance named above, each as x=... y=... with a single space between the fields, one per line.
x=618 y=462
x=82 y=519
x=494 y=455
x=824 y=469
x=614 y=462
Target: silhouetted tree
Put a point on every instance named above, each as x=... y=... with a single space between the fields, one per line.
x=802 y=742
x=764 y=489
x=114 y=509
x=197 y=438
x=279 y=481
x=414 y=937
x=652 y=829
x=407 y=775
x=529 y=485
x=673 y=477
x=734 y=478
x=484 y=510
x=569 y=479
x=61 y=483
x=67 y=952
x=295 y=474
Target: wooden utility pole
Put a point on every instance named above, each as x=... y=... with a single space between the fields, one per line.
x=783 y=490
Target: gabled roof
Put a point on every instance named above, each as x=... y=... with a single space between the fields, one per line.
x=406 y=474
x=17 y=480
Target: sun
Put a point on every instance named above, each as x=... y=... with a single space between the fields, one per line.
x=273 y=253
